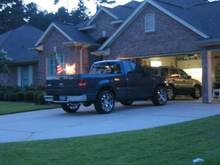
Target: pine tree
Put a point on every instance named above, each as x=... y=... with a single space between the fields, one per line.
x=81 y=13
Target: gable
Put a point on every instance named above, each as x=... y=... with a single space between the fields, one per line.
x=138 y=11
x=101 y=11
x=47 y=32
x=103 y=23
x=170 y=37
x=53 y=36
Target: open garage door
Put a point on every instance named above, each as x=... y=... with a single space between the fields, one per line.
x=182 y=72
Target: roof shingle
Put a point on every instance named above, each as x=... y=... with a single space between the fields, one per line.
x=18 y=43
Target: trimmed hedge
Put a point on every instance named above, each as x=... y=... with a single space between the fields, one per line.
x=29 y=94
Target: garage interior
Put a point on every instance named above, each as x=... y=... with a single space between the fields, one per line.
x=191 y=64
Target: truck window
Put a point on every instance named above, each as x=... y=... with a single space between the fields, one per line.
x=105 y=68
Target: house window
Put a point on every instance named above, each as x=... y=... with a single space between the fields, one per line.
x=25 y=76
x=52 y=63
x=149 y=22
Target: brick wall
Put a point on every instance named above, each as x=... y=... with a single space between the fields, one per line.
x=3 y=79
x=103 y=23
x=71 y=54
x=170 y=37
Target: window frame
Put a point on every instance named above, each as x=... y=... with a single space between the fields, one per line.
x=51 y=67
x=150 y=23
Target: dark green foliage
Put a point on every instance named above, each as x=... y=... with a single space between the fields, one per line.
x=28 y=94
x=40 y=98
x=15 y=13
x=20 y=95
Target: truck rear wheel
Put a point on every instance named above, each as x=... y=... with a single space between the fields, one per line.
x=71 y=107
x=105 y=102
x=160 y=96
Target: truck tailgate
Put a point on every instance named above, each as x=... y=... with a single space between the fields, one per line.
x=64 y=86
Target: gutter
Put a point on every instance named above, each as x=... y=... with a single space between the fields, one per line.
x=212 y=42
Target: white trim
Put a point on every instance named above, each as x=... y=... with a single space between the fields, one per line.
x=138 y=10
x=87 y=27
x=30 y=69
x=99 y=11
x=19 y=76
x=117 y=22
x=48 y=30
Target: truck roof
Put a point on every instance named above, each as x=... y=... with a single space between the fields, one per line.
x=108 y=61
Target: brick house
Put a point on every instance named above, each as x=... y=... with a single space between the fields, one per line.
x=178 y=33
x=23 y=67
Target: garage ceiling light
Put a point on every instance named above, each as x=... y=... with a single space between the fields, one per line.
x=155 y=63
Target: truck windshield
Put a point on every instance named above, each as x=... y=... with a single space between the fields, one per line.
x=105 y=68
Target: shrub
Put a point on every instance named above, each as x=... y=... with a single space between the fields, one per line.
x=11 y=96
x=1 y=96
x=39 y=98
x=29 y=96
x=20 y=96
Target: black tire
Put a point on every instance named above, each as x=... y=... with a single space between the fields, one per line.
x=171 y=93
x=127 y=103
x=197 y=93
x=71 y=107
x=105 y=102
x=160 y=96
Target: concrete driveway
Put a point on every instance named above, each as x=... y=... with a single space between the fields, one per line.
x=55 y=123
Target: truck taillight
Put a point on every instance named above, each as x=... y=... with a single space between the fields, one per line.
x=82 y=83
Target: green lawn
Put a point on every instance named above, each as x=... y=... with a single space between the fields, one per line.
x=170 y=145
x=15 y=107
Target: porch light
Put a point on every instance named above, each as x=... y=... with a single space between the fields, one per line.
x=155 y=63
x=70 y=69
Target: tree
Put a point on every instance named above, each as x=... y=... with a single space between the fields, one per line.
x=98 y=1
x=11 y=14
x=81 y=13
x=4 y=60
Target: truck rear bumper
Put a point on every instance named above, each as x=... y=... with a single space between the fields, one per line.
x=65 y=99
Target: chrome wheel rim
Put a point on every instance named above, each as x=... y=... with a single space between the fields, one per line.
x=107 y=102
x=162 y=96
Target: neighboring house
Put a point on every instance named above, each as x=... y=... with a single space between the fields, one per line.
x=19 y=44
x=179 y=33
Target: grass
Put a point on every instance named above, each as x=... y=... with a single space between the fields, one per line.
x=171 y=145
x=16 y=107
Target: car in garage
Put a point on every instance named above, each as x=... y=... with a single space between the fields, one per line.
x=107 y=82
x=180 y=83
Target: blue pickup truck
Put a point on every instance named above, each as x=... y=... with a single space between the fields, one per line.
x=108 y=81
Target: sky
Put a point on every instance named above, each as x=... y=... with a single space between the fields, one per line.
x=69 y=4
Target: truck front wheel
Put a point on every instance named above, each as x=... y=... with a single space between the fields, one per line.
x=160 y=96
x=71 y=107
x=105 y=102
